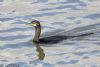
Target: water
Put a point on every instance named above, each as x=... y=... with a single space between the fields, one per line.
x=74 y=16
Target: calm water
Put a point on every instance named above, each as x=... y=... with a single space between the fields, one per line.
x=72 y=16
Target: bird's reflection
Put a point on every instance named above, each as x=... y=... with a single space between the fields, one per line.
x=40 y=51
x=51 y=40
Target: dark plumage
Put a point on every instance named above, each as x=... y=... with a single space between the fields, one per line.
x=51 y=39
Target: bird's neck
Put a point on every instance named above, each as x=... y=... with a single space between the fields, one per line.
x=37 y=34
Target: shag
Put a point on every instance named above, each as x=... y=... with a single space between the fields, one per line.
x=53 y=38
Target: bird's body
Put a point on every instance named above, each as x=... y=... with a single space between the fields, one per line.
x=55 y=37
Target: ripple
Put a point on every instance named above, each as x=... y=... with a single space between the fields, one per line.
x=6 y=19
x=81 y=53
x=17 y=46
x=9 y=38
x=93 y=16
x=14 y=29
x=48 y=14
x=70 y=62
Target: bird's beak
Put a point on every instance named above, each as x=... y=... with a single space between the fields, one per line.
x=33 y=24
x=30 y=24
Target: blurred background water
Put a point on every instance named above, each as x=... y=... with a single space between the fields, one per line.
x=16 y=46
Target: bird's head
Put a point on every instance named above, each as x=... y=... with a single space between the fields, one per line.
x=35 y=23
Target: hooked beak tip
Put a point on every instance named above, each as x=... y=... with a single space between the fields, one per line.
x=28 y=24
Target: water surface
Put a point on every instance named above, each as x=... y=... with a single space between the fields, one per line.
x=72 y=16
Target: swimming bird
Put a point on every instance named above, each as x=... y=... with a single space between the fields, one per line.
x=52 y=38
